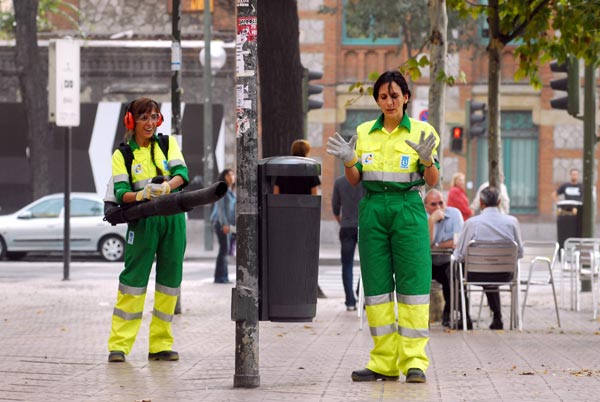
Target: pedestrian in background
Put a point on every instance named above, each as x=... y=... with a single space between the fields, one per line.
x=299 y=184
x=571 y=190
x=160 y=237
x=457 y=196
x=394 y=158
x=344 y=203
x=223 y=221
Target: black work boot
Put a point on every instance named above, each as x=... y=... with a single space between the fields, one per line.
x=369 y=375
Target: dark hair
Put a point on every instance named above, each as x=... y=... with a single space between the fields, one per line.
x=224 y=173
x=387 y=78
x=300 y=148
x=490 y=196
x=137 y=108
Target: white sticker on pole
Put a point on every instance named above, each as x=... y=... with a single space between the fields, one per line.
x=66 y=81
x=175 y=56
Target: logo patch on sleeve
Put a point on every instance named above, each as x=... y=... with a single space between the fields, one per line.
x=404 y=160
x=130 y=236
x=367 y=159
x=137 y=168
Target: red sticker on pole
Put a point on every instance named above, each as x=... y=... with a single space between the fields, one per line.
x=247 y=28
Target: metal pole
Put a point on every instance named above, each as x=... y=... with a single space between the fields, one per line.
x=176 y=71
x=208 y=142
x=67 y=207
x=245 y=294
x=589 y=144
x=176 y=89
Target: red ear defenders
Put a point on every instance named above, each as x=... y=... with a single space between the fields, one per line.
x=129 y=121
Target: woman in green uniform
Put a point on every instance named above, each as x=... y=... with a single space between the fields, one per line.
x=395 y=155
x=163 y=237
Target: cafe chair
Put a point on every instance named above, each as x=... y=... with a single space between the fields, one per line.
x=491 y=263
x=581 y=260
x=535 y=268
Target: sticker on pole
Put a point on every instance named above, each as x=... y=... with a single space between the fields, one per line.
x=64 y=82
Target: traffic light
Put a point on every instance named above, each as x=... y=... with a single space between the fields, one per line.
x=457 y=140
x=570 y=84
x=476 y=118
x=309 y=89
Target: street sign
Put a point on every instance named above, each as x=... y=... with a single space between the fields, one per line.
x=64 y=82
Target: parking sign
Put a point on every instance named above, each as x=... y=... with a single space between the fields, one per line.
x=64 y=82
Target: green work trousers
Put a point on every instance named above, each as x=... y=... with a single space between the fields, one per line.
x=395 y=257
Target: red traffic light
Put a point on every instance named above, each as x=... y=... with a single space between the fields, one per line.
x=457 y=132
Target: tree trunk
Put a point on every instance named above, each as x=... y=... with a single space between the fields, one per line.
x=33 y=83
x=439 y=50
x=280 y=73
x=495 y=64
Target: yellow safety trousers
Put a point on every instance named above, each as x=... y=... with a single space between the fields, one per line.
x=127 y=318
x=399 y=345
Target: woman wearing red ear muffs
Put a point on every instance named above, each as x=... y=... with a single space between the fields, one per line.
x=152 y=174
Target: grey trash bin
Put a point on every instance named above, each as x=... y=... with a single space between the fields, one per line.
x=569 y=216
x=289 y=226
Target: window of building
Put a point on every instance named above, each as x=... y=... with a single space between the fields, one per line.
x=520 y=160
x=364 y=26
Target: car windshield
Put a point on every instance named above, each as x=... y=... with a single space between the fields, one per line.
x=47 y=209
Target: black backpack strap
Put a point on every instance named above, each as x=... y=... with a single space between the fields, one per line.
x=127 y=156
x=163 y=143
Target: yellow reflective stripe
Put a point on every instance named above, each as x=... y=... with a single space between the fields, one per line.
x=127 y=316
x=163 y=316
x=131 y=290
x=412 y=299
x=396 y=177
x=379 y=299
x=167 y=290
x=383 y=330
x=413 y=333
x=176 y=162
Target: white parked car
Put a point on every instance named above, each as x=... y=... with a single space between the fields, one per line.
x=39 y=227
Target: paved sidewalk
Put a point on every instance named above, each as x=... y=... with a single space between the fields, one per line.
x=53 y=336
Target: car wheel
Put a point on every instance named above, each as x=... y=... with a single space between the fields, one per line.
x=15 y=255
x=112 y=248
x=2 y=248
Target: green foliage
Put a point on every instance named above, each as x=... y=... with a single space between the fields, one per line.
x=46 y=8
x=545 y=30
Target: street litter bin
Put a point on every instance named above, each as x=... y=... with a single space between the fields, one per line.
x=289 y=231
x=569 y=217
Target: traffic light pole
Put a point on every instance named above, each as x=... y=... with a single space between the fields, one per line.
x=244 y=310
x=589 y=145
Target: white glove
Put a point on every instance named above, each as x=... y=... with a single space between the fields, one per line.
x=424 y=148
x=156 y=190
x=343 y=150
x=145 y=193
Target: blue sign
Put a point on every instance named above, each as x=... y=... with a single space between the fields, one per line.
x=424 y=115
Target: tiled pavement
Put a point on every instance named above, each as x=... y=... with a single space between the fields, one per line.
x=53 y=348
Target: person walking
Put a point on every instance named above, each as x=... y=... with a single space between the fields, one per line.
x=152 y=174
x=395 y=155
x=344 y=203
x=223 y=220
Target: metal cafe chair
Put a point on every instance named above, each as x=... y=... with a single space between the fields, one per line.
x=535 y=268
x=581 y=260
x=483 y=259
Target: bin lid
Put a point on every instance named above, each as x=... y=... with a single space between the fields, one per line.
x=569 y=203
x=290 y=166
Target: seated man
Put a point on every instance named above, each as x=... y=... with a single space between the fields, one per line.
x=444 y=222
x=490 y=225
